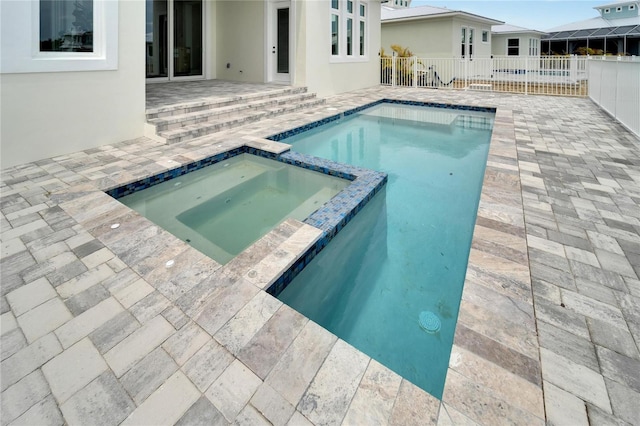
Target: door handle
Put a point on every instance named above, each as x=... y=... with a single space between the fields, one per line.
x=273 y=49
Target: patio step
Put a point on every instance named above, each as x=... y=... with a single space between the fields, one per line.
x=183 y=122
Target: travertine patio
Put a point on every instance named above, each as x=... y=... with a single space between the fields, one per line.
x=96 y=329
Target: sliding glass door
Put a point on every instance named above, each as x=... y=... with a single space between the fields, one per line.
x=174 y=46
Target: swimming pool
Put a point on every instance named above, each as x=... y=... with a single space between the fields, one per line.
x=223 y=208
x=390 y=283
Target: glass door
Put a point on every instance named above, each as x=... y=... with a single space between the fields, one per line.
x=279 y=41
x=174 y=39
x=282 y=42
x=157 y=35
x=187 y=38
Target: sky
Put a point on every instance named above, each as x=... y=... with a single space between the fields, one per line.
x=538 y=15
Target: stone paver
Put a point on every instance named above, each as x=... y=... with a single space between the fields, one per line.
x=28 y=359
x=31 y=295
x=44 y=413
x=101 y=402
x=328 y=396
x=137 y=345
x=23 y=395
x=233 y=389
x=167 y=404
x=96 y=330
x=73 y=369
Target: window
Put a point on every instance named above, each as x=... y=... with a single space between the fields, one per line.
x=362 y=28
x=534 y=46
x=348 y=29
x=485 y=36
x=60 y=35
x=335 y=27
x=632 y=7
x=618 y=9
x=466 y=41
x=607 y=10
x=66 y=26
x=513 y=47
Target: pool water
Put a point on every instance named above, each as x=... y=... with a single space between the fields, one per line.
x=390 y=283
x=223 y=208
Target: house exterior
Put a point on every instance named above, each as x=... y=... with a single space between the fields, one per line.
x=73 y=73
x=511 y=40
x=435 y=32
x=616 y=31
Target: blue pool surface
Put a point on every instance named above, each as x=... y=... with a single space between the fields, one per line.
x=390 y=282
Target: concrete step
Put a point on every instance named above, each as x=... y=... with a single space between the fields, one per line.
x=213 y=114
x=213 y=103
x=239 y=118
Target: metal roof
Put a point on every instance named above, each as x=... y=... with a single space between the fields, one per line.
x=427 y=12
x=508 y=29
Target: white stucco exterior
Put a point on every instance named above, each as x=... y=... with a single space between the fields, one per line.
x=528 y=40
x=433 y=39
x=431 y=32
x=240 y=33
x=84 y=104
x=46 y=114
x=315 y=67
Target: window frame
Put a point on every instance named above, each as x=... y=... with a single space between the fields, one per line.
x=21 y=49
x=607 y=10
x=619 y=9
x=513 y=47
x=632 y=7
x=485 y=39
x=467 y=42
x=344 y=15
x=534 y=46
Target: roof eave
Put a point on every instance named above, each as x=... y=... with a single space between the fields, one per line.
x=519 y=32
x=453 y=13
x=620 y=3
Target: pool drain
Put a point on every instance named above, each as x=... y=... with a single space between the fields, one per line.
x=429 y=322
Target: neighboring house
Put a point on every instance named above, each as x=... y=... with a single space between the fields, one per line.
x=510 y=40
x=73 y=73
x=435 y=32
x=615 y=31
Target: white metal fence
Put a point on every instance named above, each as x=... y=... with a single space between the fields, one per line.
x=615 y=86
x=548 y=75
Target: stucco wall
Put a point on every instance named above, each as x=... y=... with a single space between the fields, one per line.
x=50 y=114
x=211 y=36
x=240 y=36
x=480 y=49
x=499 y=43
x=428 y=39
x=314 y=66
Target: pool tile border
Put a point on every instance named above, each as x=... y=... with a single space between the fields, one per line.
x=306 y=127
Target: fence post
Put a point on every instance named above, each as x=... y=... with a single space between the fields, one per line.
x=573 y=68
x=393 y=70
x=526 y=75
x=415 y=71
x=615 y=99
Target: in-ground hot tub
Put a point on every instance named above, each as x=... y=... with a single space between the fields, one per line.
x=223 y=208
